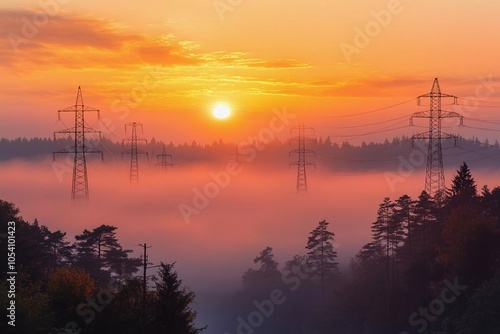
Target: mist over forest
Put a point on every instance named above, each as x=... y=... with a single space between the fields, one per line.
x=335 y=156
x=215 y=244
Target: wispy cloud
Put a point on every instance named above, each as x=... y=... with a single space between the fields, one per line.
x=69 y=41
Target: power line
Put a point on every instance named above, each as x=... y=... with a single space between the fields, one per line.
x=478 y=100
x=488 y=121
x=478 y=128
x=370 y=111
x=361 y=126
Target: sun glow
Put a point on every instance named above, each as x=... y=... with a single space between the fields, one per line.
x=221 y=111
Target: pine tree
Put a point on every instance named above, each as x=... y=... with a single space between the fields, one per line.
x=266 y=276
x=403 y=217
x=100 y=253
x=296 y=264
x=381 y=228
x=266 y=260
x=172 y=312
x=382 y=235
x=425 y=214
x=463 y=187
x=322 y=257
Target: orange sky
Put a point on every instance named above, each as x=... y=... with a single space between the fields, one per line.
x=166 y=63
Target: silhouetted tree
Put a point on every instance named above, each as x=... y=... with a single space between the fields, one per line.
x=100 y=253
x=404 y=218
x=296 y=264
x=463 y=188
x=490 y=204
x=425 y=215
x=386 y=233
x=266 y=276
x=321 y=255
x=172 y=312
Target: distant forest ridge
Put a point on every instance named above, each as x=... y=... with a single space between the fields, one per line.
x=328 y=154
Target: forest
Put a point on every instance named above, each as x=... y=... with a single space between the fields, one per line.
x=432 y=266
x=88 y=286
x=330 y=155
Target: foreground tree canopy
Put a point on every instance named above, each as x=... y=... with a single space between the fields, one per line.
x=87 y=286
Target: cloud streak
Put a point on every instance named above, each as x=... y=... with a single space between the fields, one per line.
x=69 y=41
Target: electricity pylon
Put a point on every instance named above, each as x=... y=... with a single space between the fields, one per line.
x=301 y=152
x=164 y=160
x=134 y=151
x=434 y=176
x=80 y=184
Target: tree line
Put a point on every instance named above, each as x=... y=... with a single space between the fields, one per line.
x=330 y=154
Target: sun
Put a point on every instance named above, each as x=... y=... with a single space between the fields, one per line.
x=221 y=111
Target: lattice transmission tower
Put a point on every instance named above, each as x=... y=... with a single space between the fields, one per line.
x=134 y=150
x=80 y=184
x=164 y=160
x=434 y=176
x=301 y=152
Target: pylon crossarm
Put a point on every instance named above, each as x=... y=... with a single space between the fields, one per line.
x=434 y=95
x=423 y=135
x=68 y=109
x=448 y=114
x=309 y=151
x=70 y=130
x=65 y=150
x=421 y=114
x=91 y=150
x=87 y=108
x=448 y=136
x=91 y=130
x=450 y=96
